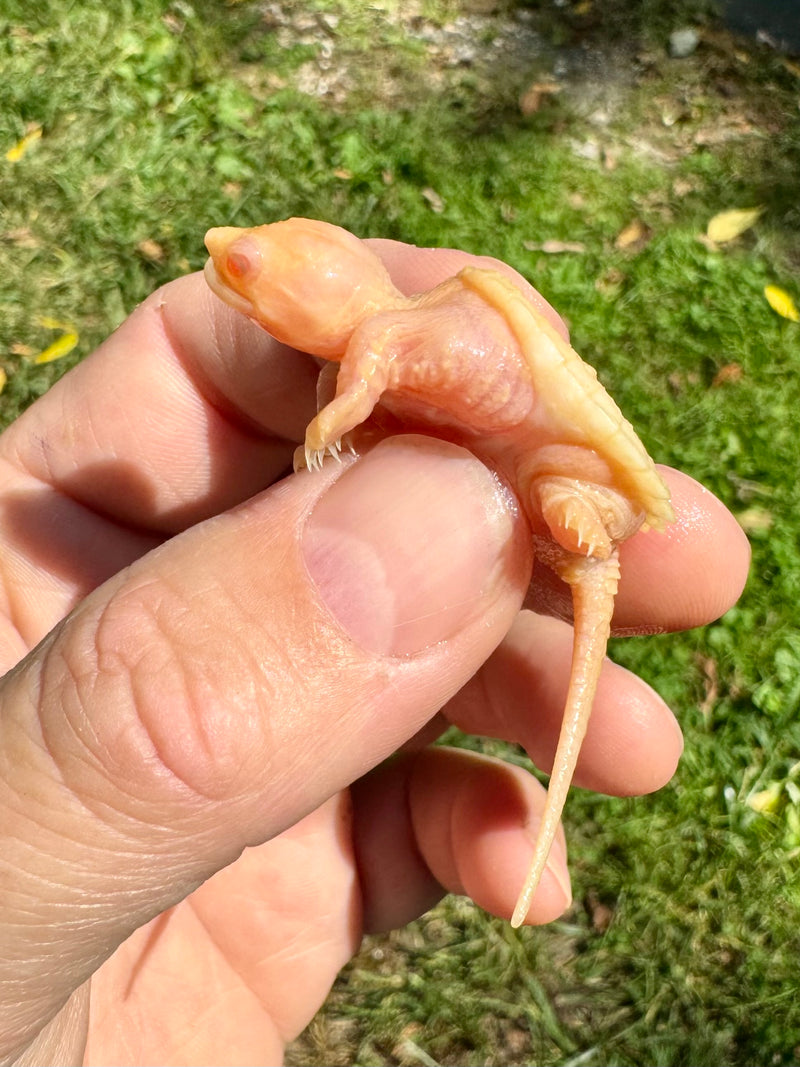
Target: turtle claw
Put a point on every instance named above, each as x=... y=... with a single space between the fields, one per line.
x=312 y=458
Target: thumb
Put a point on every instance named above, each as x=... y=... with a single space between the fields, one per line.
x=225 y=685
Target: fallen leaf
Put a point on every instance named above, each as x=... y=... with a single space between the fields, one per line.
x=633 y=237
x=61 y=346
x=609 y=281
x=58 y=349
x=15 y=153
x=535 y=95
x=780 y=301
x=601 y=917
x=731 y=372
x=151 y=250
x=766 y=801
x=22 y=236
x=553 y=247
x=728 y=225
x=20 y=349
x=48 y=323
x=343 y=173
x=710 y=686
x=435 y=201
x=755 y=520
x=600 y=914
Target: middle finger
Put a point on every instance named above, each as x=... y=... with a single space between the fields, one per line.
x=633 y=742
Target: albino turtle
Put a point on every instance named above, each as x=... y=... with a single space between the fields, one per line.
x=475 y=361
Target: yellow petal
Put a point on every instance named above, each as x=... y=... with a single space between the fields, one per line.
x=780 y=301
x=3 y=379
x=61 y=347
x=15 y=154
x=728 y=225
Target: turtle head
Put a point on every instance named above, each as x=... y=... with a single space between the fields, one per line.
x=308 y=283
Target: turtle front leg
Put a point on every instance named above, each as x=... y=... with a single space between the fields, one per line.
x=325 y=432
x=362 y=379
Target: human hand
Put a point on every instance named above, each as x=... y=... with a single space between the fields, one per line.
x=205 y=658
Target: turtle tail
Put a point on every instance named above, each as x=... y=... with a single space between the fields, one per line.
x=594 y=586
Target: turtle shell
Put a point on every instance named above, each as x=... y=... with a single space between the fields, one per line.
x=579 y=408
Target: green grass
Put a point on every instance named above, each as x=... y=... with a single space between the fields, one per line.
x=160 y=119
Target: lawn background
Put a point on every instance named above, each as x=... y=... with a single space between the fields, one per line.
x=131 y=127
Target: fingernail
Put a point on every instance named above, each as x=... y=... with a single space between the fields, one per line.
x=556 y=862
x=409 y=544
x=557 y=867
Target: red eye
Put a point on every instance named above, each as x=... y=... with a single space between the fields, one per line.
x=237 y=264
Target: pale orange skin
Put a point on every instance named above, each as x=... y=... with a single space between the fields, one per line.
x=474 y=361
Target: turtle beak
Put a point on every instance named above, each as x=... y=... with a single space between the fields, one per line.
x=221 y=288
x=234 y=267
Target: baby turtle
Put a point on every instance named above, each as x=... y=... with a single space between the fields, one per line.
x=475 y=361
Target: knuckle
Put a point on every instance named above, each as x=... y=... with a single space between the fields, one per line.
x=161 y=696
